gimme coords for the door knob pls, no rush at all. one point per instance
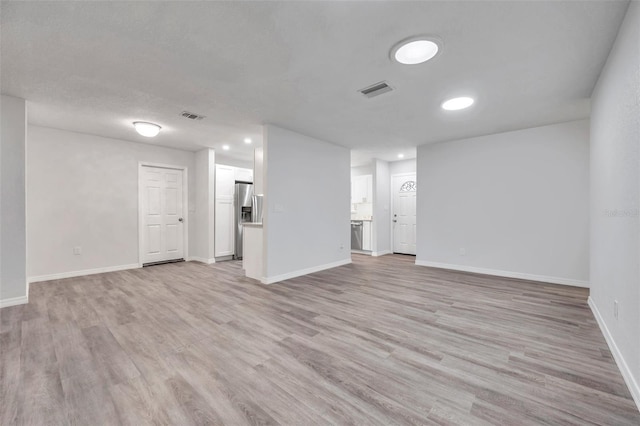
(180, 220)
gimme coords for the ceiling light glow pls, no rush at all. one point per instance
(247, 140)
(400, 155)
(225, 147)
(456, 104)
(148, 130)
(414, 52)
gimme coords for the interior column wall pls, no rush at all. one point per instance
(307, 198)
(13, 240)
(381, 207)
(205, 206)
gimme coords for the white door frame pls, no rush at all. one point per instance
(185, 205)
(393, 237)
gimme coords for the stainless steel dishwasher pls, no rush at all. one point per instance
(356, 234)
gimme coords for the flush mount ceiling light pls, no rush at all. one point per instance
(414, 51)
(400, 155)
(225, 147)
(247, 140)
(456, 104)
(148, 130)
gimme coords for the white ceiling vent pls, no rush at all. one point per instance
(376, 89)
(191, 116)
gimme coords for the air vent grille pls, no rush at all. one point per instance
(376, 89)
(191, 116)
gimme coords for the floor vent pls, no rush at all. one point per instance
(376, 89)
(191, 116)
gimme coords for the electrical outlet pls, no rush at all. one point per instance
(463, 251)
(615, 309)
(77, 250)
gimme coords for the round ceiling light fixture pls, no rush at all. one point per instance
(247, 141)
(225, 147)
(148, 130)
(400, 155)
(456, 104)
(414, 51)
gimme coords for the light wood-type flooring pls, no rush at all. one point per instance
(377, 342)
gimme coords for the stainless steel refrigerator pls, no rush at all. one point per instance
(242, 211)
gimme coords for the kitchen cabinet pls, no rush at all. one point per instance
(243, 175)
(366, 235)
(362, 189)
(225, 182)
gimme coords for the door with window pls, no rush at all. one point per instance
(162, 215)
(403, 188)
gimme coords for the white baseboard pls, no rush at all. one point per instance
(380, 253)
(507, 274)
(5, 303)
(202, 260)
(631, 382)
(300, 272)
(72, 274)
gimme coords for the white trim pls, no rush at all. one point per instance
(72, 274)
(300, 272)
(631, 382)
(201, 260)
(507, 274)
(380, 253)
(185, 205)
(14, 301)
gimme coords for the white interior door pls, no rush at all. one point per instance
(404, 214)
(162, 214)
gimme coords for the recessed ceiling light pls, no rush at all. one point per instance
(225, 147)
(400, 155)
(247, 140)
(457, 103)
(148, 130)
(414, 51)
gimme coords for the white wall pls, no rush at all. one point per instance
(231, 161)
(258, 171)
(205, 205)
(82, 190)
(401, 167)
(517, 202)
(307, 199)
(13, 280)
(382, 208)
(363, 170)
(615, 199)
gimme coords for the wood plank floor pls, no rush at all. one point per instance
(378, 342)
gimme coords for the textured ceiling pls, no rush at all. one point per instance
(95, 67)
